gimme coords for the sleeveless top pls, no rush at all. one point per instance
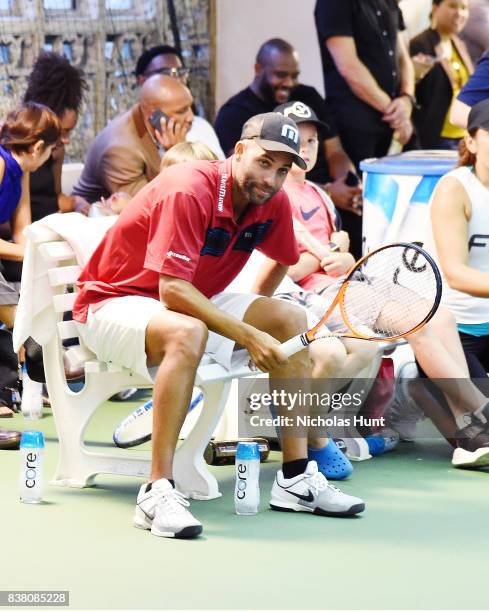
(10, 187)
(44, 200)
(468, 309)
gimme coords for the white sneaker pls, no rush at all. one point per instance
(311, 492)
(403, 414)
(163, 509)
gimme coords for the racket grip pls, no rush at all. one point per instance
(294, 345)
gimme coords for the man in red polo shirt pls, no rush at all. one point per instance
(153, 295)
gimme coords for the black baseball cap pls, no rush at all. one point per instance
(274, 132)
(301, 113)
(479, 116)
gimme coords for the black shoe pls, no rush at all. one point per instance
(473, 445)
(9, 440)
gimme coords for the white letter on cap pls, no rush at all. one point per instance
(290, 132)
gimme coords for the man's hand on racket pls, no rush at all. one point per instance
(336, 264)
(264, 350)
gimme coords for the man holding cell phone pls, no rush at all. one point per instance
(126, 154)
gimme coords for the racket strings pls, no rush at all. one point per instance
(390, 293)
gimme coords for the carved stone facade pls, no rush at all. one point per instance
(105, 38)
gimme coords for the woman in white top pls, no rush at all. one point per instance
(460, 236)
(460, 227)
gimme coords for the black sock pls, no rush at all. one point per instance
(294, 468)
(149, 486)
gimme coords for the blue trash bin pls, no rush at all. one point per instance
(396, 193)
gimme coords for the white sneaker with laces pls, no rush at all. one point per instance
(403, 414)
(164, 511)
(311, 492)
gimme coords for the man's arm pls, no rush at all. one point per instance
(182, 296)
(407, 66)
(398, 113)
(459, 113)
(270, 275)
(475, 90)
(122, 170)
(359, 78)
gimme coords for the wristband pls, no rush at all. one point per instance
(412, 99)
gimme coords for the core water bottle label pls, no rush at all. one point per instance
(241, 492)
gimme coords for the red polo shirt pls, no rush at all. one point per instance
(181, 224)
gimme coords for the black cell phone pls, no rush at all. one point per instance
(156, 117)
(333, 246)
(351, 179)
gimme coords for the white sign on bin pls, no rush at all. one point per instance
(396, 193)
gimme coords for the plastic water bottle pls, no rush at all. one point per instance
(31, 467)
(31, 405)
(247, 490)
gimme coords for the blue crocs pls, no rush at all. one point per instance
(332, 463)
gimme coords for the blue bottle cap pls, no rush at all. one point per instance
(32, 439)
(247, 450)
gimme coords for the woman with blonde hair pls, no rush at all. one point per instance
(186, 151)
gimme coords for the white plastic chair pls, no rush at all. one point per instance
(77, 465)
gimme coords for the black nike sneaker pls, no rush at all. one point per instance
(311, 492)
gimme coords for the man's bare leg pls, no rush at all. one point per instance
(176, 342)
(283, 321)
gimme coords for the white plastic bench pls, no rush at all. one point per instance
(77, 465)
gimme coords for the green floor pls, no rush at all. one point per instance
(421, 544)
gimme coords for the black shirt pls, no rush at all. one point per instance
(245, 104)
(374, 25)
(44, 199)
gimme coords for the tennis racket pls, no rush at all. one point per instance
(388, 294)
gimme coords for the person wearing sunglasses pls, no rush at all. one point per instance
(166, 60)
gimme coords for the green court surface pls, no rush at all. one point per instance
(422, 542)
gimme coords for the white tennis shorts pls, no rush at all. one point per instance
(116, 332)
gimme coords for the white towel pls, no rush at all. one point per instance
(35, 317)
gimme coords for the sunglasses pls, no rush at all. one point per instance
(173, 72)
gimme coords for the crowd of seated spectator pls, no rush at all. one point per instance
(383, 93)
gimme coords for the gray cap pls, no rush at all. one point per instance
(274, 132)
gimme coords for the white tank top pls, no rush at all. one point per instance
(466, 308)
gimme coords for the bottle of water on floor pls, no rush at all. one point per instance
(247, 489)
(31, 467)
(31, 404)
